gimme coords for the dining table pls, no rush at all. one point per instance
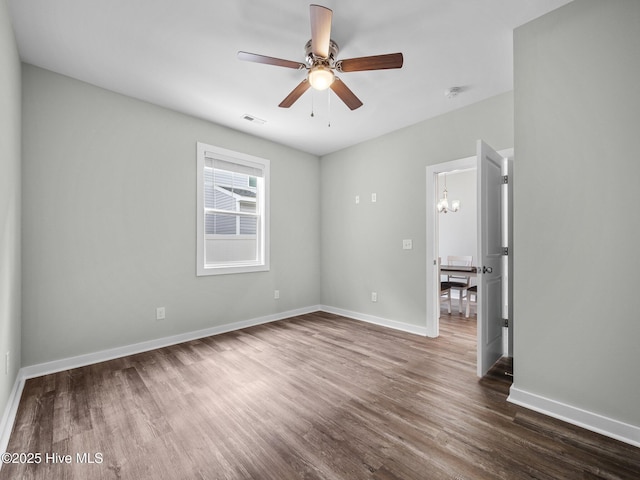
(459, 270)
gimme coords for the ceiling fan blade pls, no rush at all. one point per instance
(295, 94)
(279, 62)
(320, 30)
(375, 62)
(345, 94)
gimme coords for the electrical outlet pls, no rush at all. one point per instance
(374, 296)
(407, 244)
(160, 313)
(276, 294)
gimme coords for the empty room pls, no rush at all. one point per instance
(220, 253)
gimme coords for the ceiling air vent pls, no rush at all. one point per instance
(251, 118)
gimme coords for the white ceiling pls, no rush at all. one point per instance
(182, 55)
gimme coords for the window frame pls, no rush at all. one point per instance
(262, 263)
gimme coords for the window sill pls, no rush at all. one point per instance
(230, 269)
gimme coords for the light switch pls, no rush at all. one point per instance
(357, 199)
(374, 198)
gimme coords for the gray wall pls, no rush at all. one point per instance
(362, 244)
(577, 229)
(10, 210)
(109, 223)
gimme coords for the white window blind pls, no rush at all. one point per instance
(244, 167)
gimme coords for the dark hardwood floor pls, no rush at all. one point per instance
(313, 397)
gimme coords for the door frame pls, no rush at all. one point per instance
(432, 239)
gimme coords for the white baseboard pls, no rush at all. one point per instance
(576, 416)
(10, 411)
(383, 322)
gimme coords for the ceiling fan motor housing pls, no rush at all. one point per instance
(313, 60)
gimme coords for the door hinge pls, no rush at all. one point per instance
(505, 179)
(506, 322)
(505, 251)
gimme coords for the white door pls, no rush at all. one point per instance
(490, 256)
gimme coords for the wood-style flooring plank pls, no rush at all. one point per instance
(314, 397)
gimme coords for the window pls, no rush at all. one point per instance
(233, 212)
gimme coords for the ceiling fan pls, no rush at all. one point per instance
(321, 52)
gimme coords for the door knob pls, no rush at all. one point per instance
(487, 270)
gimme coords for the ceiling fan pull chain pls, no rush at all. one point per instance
(329, 107)
(312, 97)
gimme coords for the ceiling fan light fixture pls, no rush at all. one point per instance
(321, 77)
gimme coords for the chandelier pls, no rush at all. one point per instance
(443, 203)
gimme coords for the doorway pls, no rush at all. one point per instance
(494, 290)
(458, 229)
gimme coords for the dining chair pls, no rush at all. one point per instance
(472, 292)
(459, 283)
